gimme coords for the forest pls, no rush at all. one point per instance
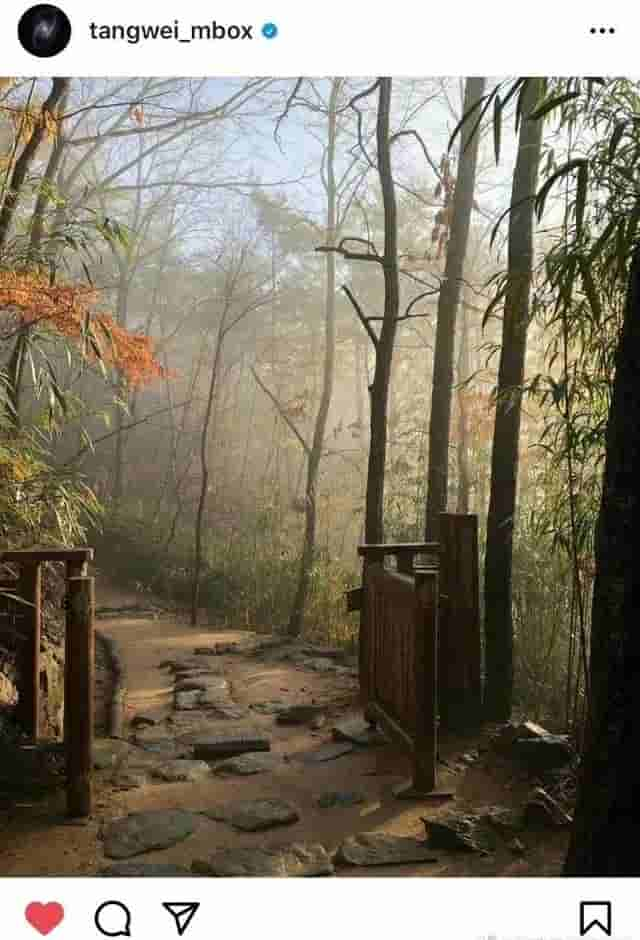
(247, 325)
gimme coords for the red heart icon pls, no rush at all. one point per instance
(44, 917)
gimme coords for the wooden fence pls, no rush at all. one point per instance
(21, 621)
(419, 649)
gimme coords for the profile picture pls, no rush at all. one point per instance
(44, 30)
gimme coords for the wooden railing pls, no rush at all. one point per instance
(21, 620)
(398, 663)
(419, 648)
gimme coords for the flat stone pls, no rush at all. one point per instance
(143, 721)
(340, 798)
(379, 848)
(230, 711)
(107, 752)
(539, 754)
(457, 833)
(543, 812)
(144, 832)
(218, 649)
(186, 701)
(175, 771)
(255, 815)
(318, 664)
(295, 860)
(358, 731)
(325, 652)
(299, 714)
(190, 685)
(229, 743)
(247, 764)
(329, 751)
(124, 780)
(142, 870)
(506, 821)
(268, 708)
(166, 747)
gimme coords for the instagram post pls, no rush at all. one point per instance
(319, 462)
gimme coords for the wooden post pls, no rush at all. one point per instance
(80, 685)
(426, 680)
(425, 740)
(459, 648)
(75, 569)
(29, 588)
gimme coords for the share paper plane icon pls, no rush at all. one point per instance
(183, 913)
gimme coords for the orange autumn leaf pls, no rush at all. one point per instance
(67, 308)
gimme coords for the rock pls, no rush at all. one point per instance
(190, 685)
(295, 860)
(247, 764)
(504, 738)
(229, 744)
(144, 832)
(506, 821)
(335, 798)
(166, 747)
(380, 848)
(230, 712)
(324, 652)
(268, 708)
(218, 649)
(255, 815)
(329, 751)
(124, 780)
(456, 833)
(358, 731)
(142, 870)
(142, 721)
(539, 754)
(469, 758)
(318, 664)
(107, 752)
(184, 701)
(299, 714)
(543, 812)
(175, 771)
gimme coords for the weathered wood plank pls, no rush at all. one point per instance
(80, 670)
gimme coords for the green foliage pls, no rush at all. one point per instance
(247, 581)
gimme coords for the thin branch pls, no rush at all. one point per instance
(364, 320)
(287, 420)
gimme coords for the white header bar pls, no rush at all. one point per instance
(404, 38)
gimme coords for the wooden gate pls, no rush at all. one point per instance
(419, 643)
(22, 620)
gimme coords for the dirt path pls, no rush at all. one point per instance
(37, 840)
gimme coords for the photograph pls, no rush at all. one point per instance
(319, 463)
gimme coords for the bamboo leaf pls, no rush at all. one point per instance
(551, 104)
(581, 195)
(497, 126)
(548, 185)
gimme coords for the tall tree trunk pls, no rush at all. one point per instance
(204, 467)
(448, 301)
(374, 506)
(23, 163)
(462, 501)
(506, 434)
(315, 453)
(44, 192)
(607, 817)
